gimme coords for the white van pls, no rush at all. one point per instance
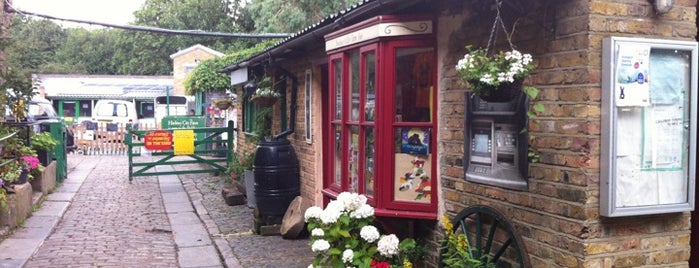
(115, 111)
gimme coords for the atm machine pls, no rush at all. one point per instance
(496, 146)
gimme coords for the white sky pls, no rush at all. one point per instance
(106, 11)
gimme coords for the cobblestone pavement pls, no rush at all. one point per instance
(110, 223)
(113, 223)
(235, 225)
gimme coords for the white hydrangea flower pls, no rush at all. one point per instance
(317, 232)
(388, 245)
(369, 233)
(347, 256)
(320, 245)
(312, 213)
(363, 212)
(331, 213)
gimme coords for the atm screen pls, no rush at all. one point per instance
(481, 143)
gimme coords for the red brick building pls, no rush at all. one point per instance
(359, 82)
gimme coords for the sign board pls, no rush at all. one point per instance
(649, 118)
(184, 141)
(183, 122)
(158, 140)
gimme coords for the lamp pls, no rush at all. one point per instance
(250, 88)
(663, 6)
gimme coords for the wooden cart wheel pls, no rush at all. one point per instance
(489, 233)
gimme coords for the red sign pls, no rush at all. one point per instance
(158, 140)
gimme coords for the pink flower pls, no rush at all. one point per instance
(32, 161)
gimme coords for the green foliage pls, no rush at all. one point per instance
(206, 75)
(43, 141)
(239, 163)
(263, 122)
(456, 252)
(281, 16)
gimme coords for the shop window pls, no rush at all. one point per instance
(382, 123)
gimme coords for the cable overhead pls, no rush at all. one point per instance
(11, 9)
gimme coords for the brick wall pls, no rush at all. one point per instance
(558, 216)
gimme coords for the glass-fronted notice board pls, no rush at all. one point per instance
(649, 110)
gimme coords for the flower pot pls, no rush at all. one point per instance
(505, 92)
(265, 101)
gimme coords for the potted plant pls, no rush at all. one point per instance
(223, 103)
(494, 77)
(265, 95)
(43, 143)
(343, 235)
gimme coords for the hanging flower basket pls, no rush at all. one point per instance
(265, 101)
(223, 104)
(504, 92)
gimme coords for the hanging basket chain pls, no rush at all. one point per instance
(494, 29)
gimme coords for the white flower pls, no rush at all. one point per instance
(317, 232)
(320, 245)
(347, 256)
(363, 212)
(331, 213)
(351, 201)
(388, 245)
(313, 213)
(369, 233)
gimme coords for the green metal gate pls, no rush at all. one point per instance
(213, 151)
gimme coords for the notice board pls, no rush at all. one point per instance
(649, 99)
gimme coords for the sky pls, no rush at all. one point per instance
(107, 11)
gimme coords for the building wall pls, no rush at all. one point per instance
(179, 64)
(558, 216)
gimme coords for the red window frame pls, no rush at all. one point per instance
(384, 126)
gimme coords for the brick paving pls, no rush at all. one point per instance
(235, 225)
(113, 223)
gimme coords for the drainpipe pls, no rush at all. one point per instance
(292, 112)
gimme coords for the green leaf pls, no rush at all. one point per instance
(538, 107)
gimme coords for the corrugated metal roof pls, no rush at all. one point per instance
(104, 86)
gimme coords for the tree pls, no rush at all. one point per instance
(148, 53)
(33, 45)
(287, 16)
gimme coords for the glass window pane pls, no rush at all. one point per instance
(354, 85)
(414, 85)
(353, 156)
(337, 64)
(369, 161)
(413, 165)
(337, 157)
(369, 85)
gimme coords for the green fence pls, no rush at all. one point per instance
(199, 145)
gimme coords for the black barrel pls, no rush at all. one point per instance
(276, 169)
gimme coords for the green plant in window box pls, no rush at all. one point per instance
(43, 142)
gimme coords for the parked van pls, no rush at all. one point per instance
(115, 111)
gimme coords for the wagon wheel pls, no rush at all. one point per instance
(490, 234)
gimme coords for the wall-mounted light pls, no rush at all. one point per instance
(250, 88)
(663, 6)
(197, 60)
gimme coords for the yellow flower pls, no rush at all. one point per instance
(407, 264)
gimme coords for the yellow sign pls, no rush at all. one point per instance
(184, 141)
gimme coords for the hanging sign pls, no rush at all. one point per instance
(158, 140)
